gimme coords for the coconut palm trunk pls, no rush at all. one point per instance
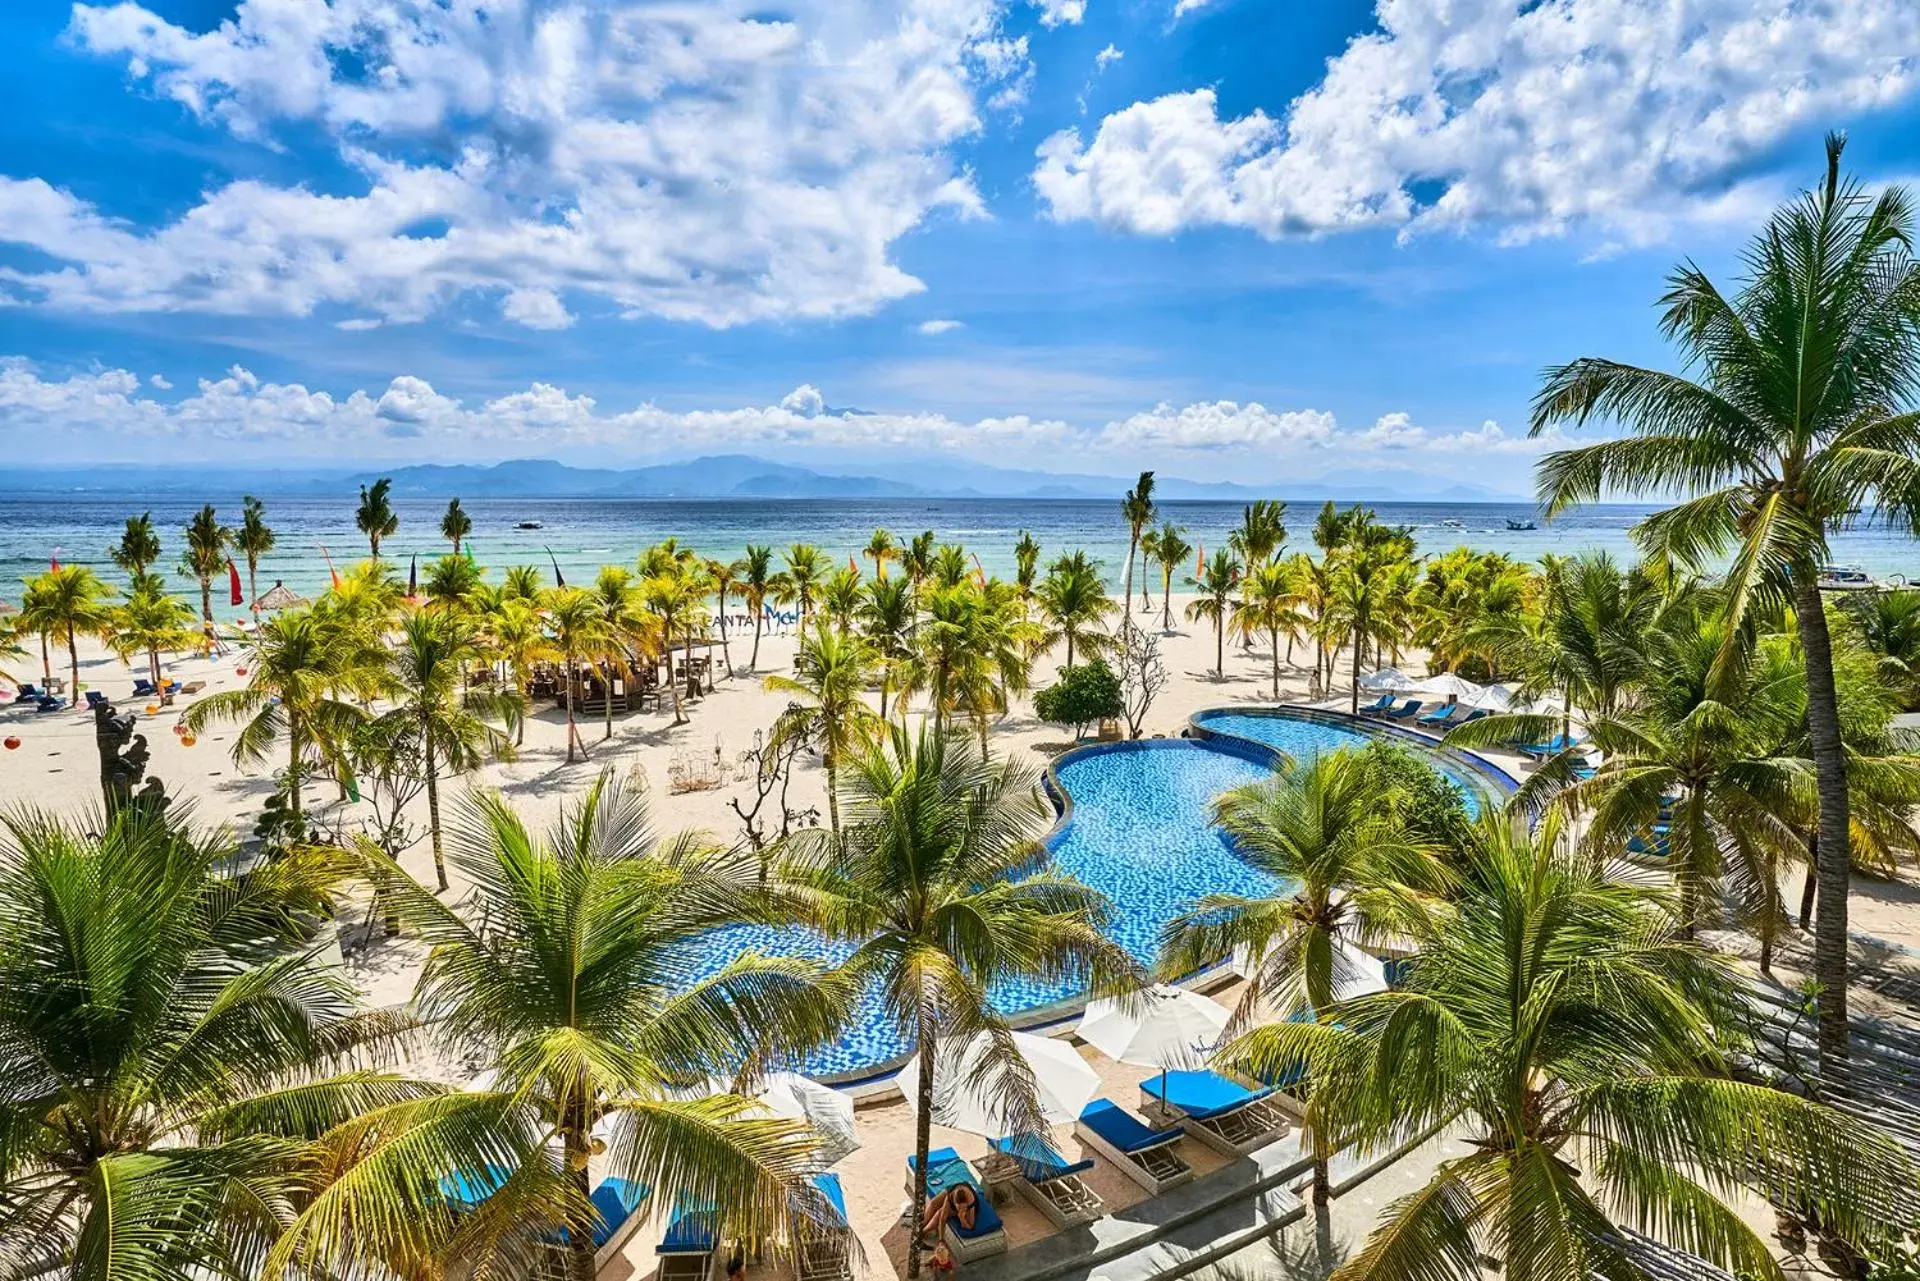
(1220, 644)
(753, 661)
(606, 718)
(922, 1140)
(1833, 862)
(1273, 649)
(1353, 697)
(433, 811)
(73, 667)
(573, 733)
(293, 770)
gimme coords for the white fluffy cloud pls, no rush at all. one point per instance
(934, 328)
(241, 415)
(1529, 117)
(707, 162)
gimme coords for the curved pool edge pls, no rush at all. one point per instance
(1056, 791)
(1500, 783)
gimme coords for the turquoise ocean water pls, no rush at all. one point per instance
(582, 534)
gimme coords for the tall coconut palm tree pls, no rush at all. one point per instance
(667, 556)
(1215, 584)
(375, 516)
(255, 538)
(950, 566)
(830, 672)
(628, 628)
(164, 1080)
(840, 596)
(1555, 1017)
(139, 546)
(1026, 564)
(887, 618)
(455, 524)
(1325, 828)
(203, 557)
(565, 973)
(757, 583)
(1137, 509)
(152, 620)
(941, 886)
(452, 582)
(1801, 415)
(523, 582)
(1266, 608)
(880, 549)
(1074, 603)
(1360, 604)
(447, 724)
(724, 575)
(916, 560)
(577, 628)
(67, 603)
(518, 636)
(1259, 535)
(800, 581)
(309, 676)
(1170, 551)
(678, 600)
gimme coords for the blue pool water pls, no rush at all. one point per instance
(1303, 738)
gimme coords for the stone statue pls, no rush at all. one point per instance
(123, 761)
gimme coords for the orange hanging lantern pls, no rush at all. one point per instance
(239, 671)
(188, 740)
(13, 742)
(179, 729)
(152, 708)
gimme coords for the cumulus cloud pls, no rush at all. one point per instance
(1107, 57)
(1055, 13)
(715, 163)
(240, 414)
(1624, 115)
(935, 327)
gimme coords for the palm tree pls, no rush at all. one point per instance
(1266, 607)
(578, 628)
(1794, 425)
(1327, 829)
(1026, 564)
(518, 636)
(950, 566)
(677, 600)
(1215, 584)
(455, 524)
(452, 582)
(956, 657)
(939, 883)
(204, 557)
(840, 596)
(163, 1082)
(1138, 510)
(831, 669)
(667, 556)
(916, 561)
(1171, 551)
(375, 516)
(308, 676)
(800, 581)
(757, 582)
(1889, 624)
(68, 602)
(139, 546)
(1074, 602)
(725, 577)
(1259, 535)
(152, 620)
(523, 582)
(626, 627)
(564, 971)
(1554, 1015)
(446, 723)
(1359, 604)
(255, 538)
(880, 549)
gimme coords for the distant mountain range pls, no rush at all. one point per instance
(722, 476)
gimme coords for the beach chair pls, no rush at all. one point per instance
(1051, 1182)
(1439, 716)
(987, 1236)
(1223, 1114)
(48, 703)
(95, 698)
(144, 688)
(823, 1253)
(1407, 709)
(1142, 1153)
(1552, 747)
(1379, 704)
(689, 1251)
(1477, 713)
(619, 1202)
(1653, 846)
(29, 694)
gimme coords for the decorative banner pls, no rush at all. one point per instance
(53, 561)
(234, 596)
(850, 565)
(413, 578)
(559, 579)
(332, 573)
(1199, 558)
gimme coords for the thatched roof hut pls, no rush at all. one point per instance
(278, 597)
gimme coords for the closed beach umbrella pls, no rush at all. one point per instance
(1165, 1027)
(1356, 972)
(797, 1098)
(1446, 685)
(964, 1100)
(1494, 698)
(1388, 680)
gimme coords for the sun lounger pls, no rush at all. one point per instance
(1409, 708)
(1552, 747)
(1379, 704)
(688, 1252)
(823, 1253)
(48, 703)
(95, 698)
(1223, 1114)
(143, 688)
(1438, 716)
(29, 694)
(618, 1202)
(987, 1235)
(1050, 1181)
(1476, 714)
(1144, 1154)
(1652, 846)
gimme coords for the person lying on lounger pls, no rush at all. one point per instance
(959, 1202)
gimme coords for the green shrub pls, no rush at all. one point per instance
(1086, 693)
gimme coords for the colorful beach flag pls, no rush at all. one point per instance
(332, 573)
(53, 561)
(234, 594)
(413, 577)
(1199, 558)
(559, 579)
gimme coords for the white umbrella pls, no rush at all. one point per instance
(1388, 680)
(1446, 685)
(1165, 1027)
(799, 1098)
(1356, 973)
(1062, 1078)
(1494, 698)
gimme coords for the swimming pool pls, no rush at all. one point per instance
(1303, 734)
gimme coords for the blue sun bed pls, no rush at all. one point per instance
(617, 1202)
(1438, 716)
(987, 1236)
(1379, 704)
(1142, 1153)
(823, 1255)
(1552, 747)
(1223, 1114)
(689, 1249)
(1409, 708)
(1050, 1181)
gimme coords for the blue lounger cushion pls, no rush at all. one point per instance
(1406, 709)
(1039, 1160)
(1202, 1094)
(616, 1200)
(829, 1185)
(1438, 716)
(1379, 704)
(1123, 1130)
(468, 1188)
(945, 1169)
(690, 1231)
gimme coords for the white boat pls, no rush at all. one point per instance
(529, 524)
(1520, 524)
(1845, 578)
(1451, 523)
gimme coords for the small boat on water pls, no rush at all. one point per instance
(1520, 524)
(1845, 578)
(1451, 523)
(529, 524)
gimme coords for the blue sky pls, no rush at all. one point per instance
(1234, 239)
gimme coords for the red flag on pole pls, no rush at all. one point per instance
(332, 573)
(1199, 558)
(53, 561)
(850, 565)
(233, 583)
